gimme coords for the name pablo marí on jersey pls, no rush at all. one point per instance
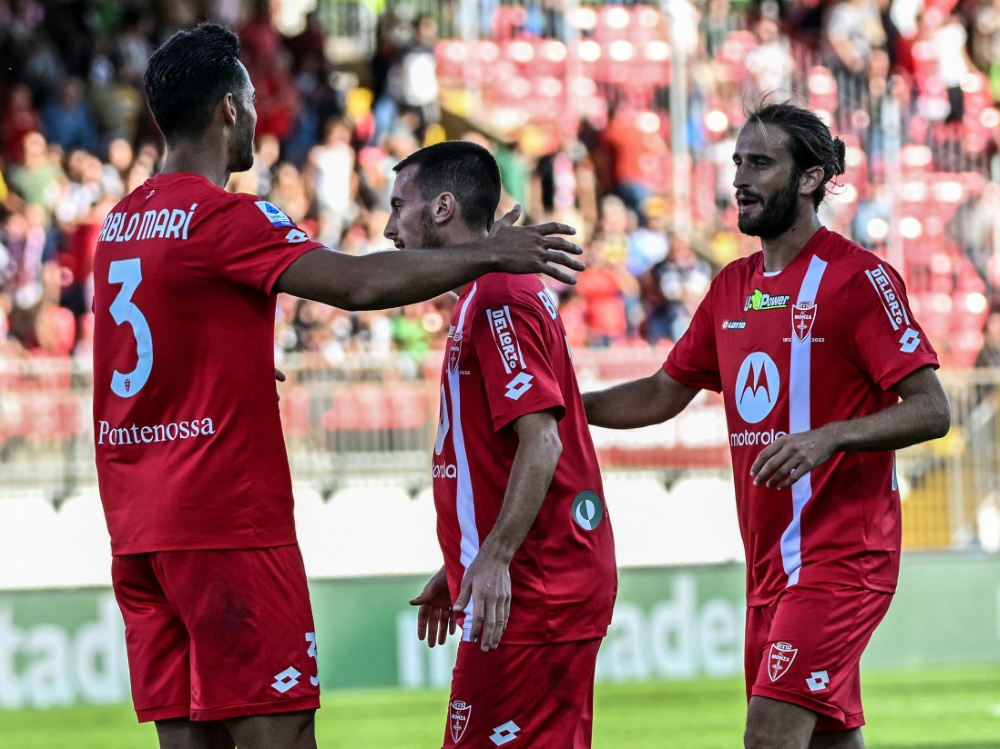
(166, 223)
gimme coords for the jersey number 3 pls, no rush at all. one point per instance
(129, 274)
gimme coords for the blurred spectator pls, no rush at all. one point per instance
(133, 48)
(412, 80)
(38, 178)
(853, 30)
(648, 245)
(564, 181)
(330, 170)
(19, 118)
(115, 171)
(67, 118)
(947, 37)
(638, 154)
(672, 291)
(986, 43)
(989, 354)
(31, 279)
(769, 65)
(605, 288)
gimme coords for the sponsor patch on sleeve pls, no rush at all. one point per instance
(274, 214)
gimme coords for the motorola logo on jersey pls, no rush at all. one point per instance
(757, 387)
(444, 471)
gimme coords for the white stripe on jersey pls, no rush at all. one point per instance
(800, 420)
(464, 499)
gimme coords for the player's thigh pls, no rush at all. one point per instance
(253, 642)
(777, 725)
(811, 653)
(182, 733)
(156, 641)
(541, 695)
(295, 730)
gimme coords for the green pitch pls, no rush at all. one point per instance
(951, 709)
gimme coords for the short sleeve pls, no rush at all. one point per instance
(888, 342)
(694, 360)
(257, 241)
(515, 361)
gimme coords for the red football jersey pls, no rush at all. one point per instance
(189, 446)
(824, 340)
(508, 356)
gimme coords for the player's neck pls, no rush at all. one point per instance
(462, 235)
(197, 159)
(781, 250)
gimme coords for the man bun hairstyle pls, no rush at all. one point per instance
(466, 170)
(809, 141)
(188, 75)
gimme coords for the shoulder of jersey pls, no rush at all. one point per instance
(268, 211)
(849, 256)
(508, 288)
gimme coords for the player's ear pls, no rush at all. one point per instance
(811, 179)
(445, 208)
(229, 111)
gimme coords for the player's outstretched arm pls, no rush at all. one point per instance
(435, 618)
(394, 279)
(921, 415)
(487, 578)
(651, 400)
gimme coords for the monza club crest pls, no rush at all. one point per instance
(458, 719)
(779, 659)
(803, 316)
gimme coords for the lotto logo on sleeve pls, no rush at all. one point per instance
(274, 214)
(505, 338)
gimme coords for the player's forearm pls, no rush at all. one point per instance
(916, 419)
(651, 400)
(385, 279)
(530, 476)
(394, 279)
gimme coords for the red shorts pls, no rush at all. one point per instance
(541, 694)
(213, 635)
(805, 648)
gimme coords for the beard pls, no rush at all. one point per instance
(429, 237)
(777, 214)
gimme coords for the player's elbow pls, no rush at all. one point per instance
(939, 418)
(550, 447)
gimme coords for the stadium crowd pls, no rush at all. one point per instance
(75, 136)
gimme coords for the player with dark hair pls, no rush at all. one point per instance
(192, 467)
(824, 374)
(529, 571)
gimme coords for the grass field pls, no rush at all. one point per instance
(947, 708)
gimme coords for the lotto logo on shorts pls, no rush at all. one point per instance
(286, 679)
(505, 734)
(458, 719)
(779, 660)
(818, 681)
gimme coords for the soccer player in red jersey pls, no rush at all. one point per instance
(191, 464)
(825, 373)
(529, 572)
